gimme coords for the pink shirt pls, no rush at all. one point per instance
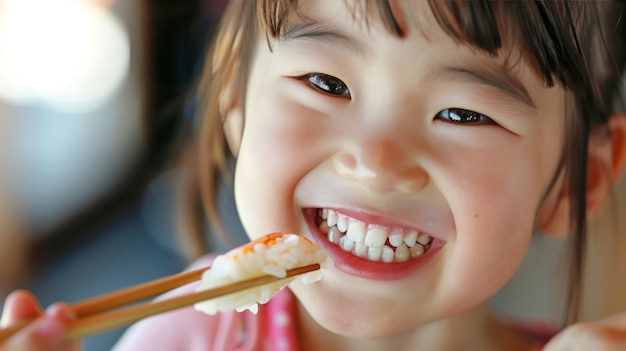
(272, 329)
(187, 329)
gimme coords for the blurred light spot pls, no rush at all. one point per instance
(71, 55)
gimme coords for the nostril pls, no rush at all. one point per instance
(345, 162)
(412, 180)
(348, 165)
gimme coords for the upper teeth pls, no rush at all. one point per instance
(372, 241)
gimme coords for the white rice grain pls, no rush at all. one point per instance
(287, 251)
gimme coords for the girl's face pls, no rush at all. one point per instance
(395, 137)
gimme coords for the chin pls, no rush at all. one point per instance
(348, 316)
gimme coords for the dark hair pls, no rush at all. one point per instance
(578, 44)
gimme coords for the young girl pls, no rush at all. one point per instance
(457, 127)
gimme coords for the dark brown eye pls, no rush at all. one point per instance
(461, 116)
(328, 84)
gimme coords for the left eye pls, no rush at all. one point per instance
(462, 116)
(328, 84)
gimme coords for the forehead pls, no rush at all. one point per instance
(397, 18)
(414, 37)
(546, 35)
(402, 20)
(474, 27)
(473, 21)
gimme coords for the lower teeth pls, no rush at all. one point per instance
(387, 254)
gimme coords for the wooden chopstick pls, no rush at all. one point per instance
(104, 321)
(109, 301)
(119, 298)
(99, 323)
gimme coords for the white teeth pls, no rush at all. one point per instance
(373, 253)
(395, 237)
(333, 235)
(411, 238)
(375, 237)
(423, 239)
(416, 250)
(388, 254)
(342, 223)
(402, 253)
(332, 218)
(360, 249)
(356, 231)
(372, 242)
(346, 244)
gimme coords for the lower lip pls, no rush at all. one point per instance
(360, 267)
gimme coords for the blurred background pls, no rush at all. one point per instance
(96, 101)
(95, 98)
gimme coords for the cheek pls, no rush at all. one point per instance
(493, 250)
(494, 202)
(279, 147)
(491, 245)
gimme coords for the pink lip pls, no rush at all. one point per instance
(357, 266)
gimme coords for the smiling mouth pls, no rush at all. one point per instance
(373, 242)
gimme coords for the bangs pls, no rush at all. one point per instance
(549, 34)
(274, 14)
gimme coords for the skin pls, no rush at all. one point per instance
(45, 333)
(384, 153)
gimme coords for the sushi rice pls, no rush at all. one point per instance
(272, 254)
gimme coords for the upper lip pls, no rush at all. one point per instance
(427, 211)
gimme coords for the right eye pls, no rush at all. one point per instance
(328, 84)
(462, 116)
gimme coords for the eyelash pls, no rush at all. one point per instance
(334, 86)
(328, 84)
(462, 116)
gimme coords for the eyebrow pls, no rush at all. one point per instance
(322, 32)
(497, 79)
(332, 34)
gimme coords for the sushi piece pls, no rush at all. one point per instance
(272, 254)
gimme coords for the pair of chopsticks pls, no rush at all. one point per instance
(104, 312)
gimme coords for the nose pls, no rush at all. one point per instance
(381, 167)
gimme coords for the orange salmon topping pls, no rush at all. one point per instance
(267, 240)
